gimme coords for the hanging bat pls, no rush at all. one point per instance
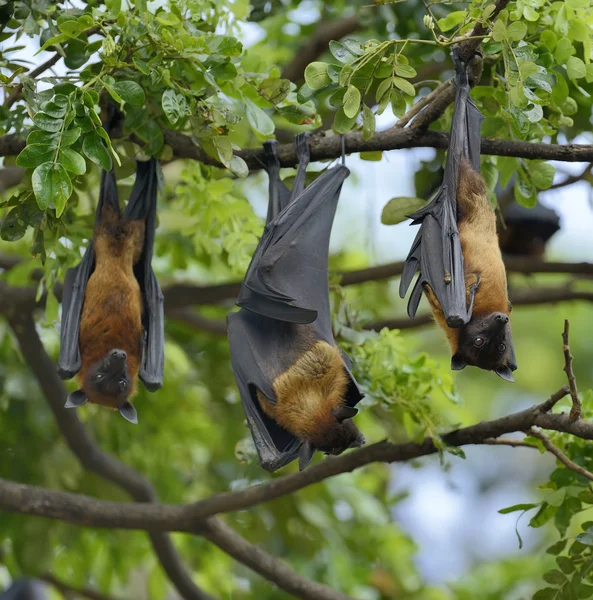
(457, 252)
(527, 230)
(113, 325)
(295, 383)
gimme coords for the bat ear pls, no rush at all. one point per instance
(306, 455)
(344, 412)
(458, 362)
(76, 399)
(128, 412)
(505, 373)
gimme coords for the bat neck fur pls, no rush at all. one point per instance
(117, 237)
(308, 392)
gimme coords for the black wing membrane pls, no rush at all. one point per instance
(75, 282)
(436, 251)
(142, 206)
(285, 298)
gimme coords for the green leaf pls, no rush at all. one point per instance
(546, 594)
(384, 86)
(71, 27)
(516, 507)
(224, 148)
(51, 183)
(375, 156)
(130, 92)
(114, 7)
(368, 122)
(586, 538)
(398, 209)
(141, 66)
(316, 76)
(54, 110)
(548, 38)
(405, 86)
(576, 68)
(340, 52)
(527, 69)
(274, 90)
(499, 31)
(34, 154)
(171, 107)
(563, 51)
(14, 225)
(47, 123)
(258, 119)
(451, 20)
(343, 123)
(516, 31)
(542, 174)
(57, 39)
(554, 577)
(70, 136)
(95, 150)
(565, 564)
(351, 101)
(518, 97)
(353, 46)
(578, 30)
(238, 167)
(544, 514)
(557, 547)
(398, 104)
(530, 14)
(72, 161)
(405, 71)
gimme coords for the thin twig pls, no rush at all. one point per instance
(64, 587)
(575, 412)
(567, 462)
(16, 93)
(573, 178)
(424, 101)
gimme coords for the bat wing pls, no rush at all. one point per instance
(287, 277)
(75, 282)
(278, 193)
(436, 251)
(142, 206)
(252, 338)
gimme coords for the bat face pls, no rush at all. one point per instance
(339, 437)
(486, 342)
(110, 377)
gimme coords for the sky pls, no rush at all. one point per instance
(447, 513)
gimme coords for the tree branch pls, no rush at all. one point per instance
(82, 510)
(576, 410)
(318, 43)
(42, 68)
(567, 462)
(65, 588)
(573, 178)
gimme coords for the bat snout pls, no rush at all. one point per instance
(501, 318)
(454, 321)
(116, 359)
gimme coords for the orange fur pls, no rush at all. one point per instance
(481, 253)
(308, 392)
(112, 309)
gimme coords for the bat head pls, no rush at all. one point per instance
(110, 378)
(340, 434)
(486, 342)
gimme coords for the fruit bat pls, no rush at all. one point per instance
(457, 253)
(527, 230)
(295, 383)
(112, 307)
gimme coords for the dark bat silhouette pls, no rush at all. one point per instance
(457, 251)
(112, 321)
(296, 384)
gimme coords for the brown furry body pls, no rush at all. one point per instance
(476, 222)
(308, 393)
(112, 310)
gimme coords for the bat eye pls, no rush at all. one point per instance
(479, 342)
(123, 385)
(502, 347)
(98, 377)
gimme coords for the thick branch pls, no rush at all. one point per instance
(82, 510)
(318, 43)
(329, 147)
